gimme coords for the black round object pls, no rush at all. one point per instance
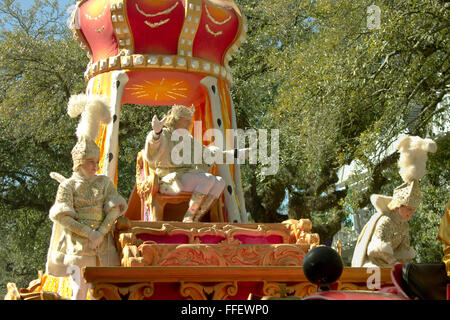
(322, 266)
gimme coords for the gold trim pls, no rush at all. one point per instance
(76, 33)
(157, 24)
(149, 61)
(100, 15)
(158, 13)
(214, 20)
(99, 30)
(215, 34)
(240, 34)
(193, 13)
(121, 26)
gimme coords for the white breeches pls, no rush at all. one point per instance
(204, 183)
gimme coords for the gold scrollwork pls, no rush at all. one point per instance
(302, 289)
(137, 291)
(219, 291)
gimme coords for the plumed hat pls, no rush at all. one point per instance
(93, 109)
(412, 163)
(408, 194)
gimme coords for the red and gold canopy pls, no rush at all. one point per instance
(180, 41)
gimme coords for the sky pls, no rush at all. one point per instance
(27, 3)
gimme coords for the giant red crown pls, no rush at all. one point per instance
(181, 35)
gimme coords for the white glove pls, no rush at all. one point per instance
(158, 125)
(95, 239)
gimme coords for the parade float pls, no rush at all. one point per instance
(177, 52)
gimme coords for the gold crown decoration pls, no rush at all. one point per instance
(408, 194)
(93, 109)
(195, 36)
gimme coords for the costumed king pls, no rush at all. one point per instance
(186, 176)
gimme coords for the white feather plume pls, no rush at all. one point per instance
(76, 105)
(93, 109)
(413, 156)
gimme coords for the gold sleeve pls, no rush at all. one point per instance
(109, 220)
(63, 211)
(74, 226)
(379, 249)
(115, 205)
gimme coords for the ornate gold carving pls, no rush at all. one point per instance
(300, 231)
(216, 282)
(214, 255)
(228, 231)
(128, 238)
(279, 289)
(131, 257)
(219, 291)
(351, 286)
(137, 291)
(33, 292)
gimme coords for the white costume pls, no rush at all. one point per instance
(85, 207)
(385, 240)
(185, 175)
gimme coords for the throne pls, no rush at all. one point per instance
(156, 206)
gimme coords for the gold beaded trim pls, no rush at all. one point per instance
(169, 62)
(121, 26)
(190, 26)
(77, 35)
(240, 36)
(183, 61)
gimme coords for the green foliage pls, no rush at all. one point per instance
(337, 91)
(24, 235)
